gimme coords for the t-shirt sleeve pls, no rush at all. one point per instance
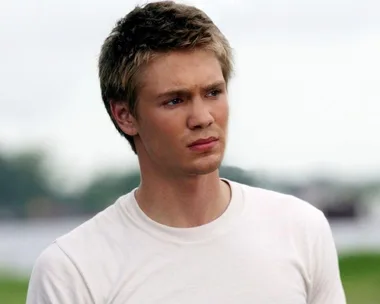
(55, 279)
(326, 284)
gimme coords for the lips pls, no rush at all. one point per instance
(203, 141)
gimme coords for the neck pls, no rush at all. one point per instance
(183, 202)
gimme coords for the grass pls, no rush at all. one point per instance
(360, 275)
(13, 290)
(361, 278)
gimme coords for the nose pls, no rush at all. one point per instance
(200, 116)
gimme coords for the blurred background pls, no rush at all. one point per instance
(305, 108)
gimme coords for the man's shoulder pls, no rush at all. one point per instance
(90, 251)
(279, 204)
(53, 259)
(95, 234)
(285, 215)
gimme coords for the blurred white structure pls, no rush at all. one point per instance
(22, 242)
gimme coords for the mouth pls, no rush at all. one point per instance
(203, 141)
(203, 144)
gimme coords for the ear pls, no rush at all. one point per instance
(123, 117)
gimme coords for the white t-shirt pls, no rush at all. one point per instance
(266, 248)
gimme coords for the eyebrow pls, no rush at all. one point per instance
(209, 87)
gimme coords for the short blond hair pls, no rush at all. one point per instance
(154, 28)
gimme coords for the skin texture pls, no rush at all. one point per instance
(182, 98)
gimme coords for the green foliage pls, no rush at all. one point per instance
(22, 178)
(25, 188)
(236, 174)
(105, 189)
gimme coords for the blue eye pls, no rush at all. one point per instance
(214, 93)
(174, 101)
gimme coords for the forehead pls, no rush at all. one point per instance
(185, 69)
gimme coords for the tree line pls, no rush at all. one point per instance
(26, 189)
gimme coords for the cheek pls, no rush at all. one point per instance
(222, 113)
(163, 130)
(169, 126)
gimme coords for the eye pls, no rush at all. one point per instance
(214, 93)
(174, 102)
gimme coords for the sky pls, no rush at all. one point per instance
(305, 95)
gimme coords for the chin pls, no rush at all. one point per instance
(206, 165)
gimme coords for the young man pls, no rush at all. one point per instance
(184, 235)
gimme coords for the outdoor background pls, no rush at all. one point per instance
(305, 108)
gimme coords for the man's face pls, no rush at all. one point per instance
(183, 99)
